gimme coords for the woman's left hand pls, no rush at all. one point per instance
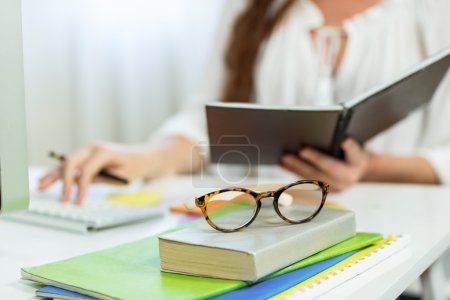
(340, 174)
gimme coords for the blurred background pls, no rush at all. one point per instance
(110, 70)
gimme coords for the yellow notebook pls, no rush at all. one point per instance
(345, 270)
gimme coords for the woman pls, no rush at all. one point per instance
(312, 52)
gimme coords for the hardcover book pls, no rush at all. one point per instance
(267, 245)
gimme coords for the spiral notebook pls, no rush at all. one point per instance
(346, 269)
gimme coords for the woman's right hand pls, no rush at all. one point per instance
(175, 154)
(81, 168)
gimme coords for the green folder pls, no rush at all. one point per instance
(132, 271)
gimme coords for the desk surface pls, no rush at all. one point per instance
(421, 211)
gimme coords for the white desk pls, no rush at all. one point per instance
(421, 211)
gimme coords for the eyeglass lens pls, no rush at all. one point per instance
(307, 198)
(231, 209)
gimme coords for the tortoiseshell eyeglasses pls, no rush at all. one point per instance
(233, 209)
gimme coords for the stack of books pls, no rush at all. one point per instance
(269, 259)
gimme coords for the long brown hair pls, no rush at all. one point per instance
(250, 30)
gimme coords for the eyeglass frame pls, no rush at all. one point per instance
(202, 202)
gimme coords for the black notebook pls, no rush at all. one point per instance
(250, 133)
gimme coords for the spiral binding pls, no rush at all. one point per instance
(345, 270)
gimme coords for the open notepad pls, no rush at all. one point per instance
(262, 133)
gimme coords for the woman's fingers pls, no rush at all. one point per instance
(340, 174)
(49, 178)
(353, 151)
(101, 157)
(307, 171)
(294, 164)
(83, 166)
(332, 167)
(71, 165)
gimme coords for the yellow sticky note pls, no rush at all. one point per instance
(139, 198)
(330, 204)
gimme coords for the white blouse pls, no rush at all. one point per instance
(292, 69)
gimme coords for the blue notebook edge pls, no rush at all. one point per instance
(54, 292)
(276, 285)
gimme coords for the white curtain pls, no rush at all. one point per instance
(110, 70)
